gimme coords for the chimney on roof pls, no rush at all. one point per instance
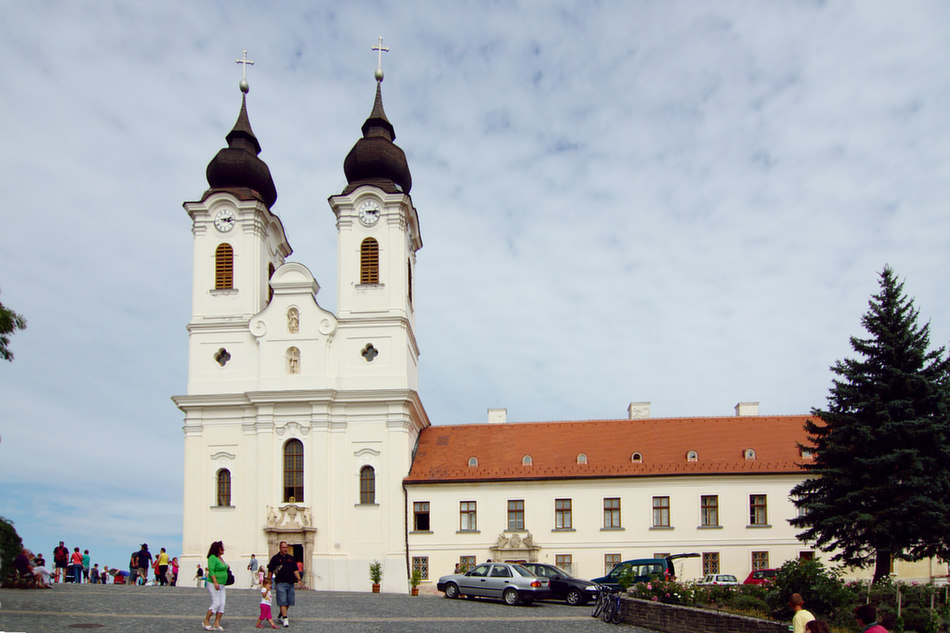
(747, 408)
(497, 416)
(637, 410)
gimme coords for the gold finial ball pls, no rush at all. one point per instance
(244, 87)
(379, 74)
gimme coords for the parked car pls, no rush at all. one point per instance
(563, 586)
(508, 581)
(761, 577)
(718, 579)
(643, 569)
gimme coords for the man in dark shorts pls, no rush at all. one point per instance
(61, 560)
(284, 567)
(145, 561)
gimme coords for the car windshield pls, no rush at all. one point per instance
(549, 572)
(524, 572)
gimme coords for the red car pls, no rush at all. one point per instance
(761, 577)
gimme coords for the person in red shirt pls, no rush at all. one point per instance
(75, 566)
(866, 615)
(61, 560)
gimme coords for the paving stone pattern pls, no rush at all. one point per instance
(107, 608)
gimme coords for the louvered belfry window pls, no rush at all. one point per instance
(293, 471)
(224, 267)
(369, 261)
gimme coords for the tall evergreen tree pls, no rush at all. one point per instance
(879, 484)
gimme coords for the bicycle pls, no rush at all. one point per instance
(600, 601)
(615, 607)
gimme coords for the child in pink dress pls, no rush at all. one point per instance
(265, 606)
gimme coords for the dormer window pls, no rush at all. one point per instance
(636, 458)
(581, 458)
(526, 460)
(692, 456)
(749, 453)
(472, 462)
(807, 453)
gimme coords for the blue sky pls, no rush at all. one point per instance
(684, 203)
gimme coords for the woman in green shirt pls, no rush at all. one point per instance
(217, 577)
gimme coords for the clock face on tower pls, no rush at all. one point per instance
(224, 220)
(369, 212)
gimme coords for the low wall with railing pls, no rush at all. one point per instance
(673, 618)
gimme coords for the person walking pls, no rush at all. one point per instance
(252, 567)
(866, 615)
(217, 577)
(265, 606)
(60, 560)
(200, 575)
(802, 615)
(144, 562)
(75, 566)
(162, 561)
(85, 565)
(133, 567)
(284, 567)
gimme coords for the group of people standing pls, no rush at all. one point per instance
(282, 567)
(70, 567)
(803, 621)
(164, 567)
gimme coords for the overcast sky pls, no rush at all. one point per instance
(687, 203)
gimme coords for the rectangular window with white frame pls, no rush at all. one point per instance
(709, 511)
(467, 518)
(420, 516)
(516, 514)
(758, 510)
(661, 512)
(562, 514)
(611, 513)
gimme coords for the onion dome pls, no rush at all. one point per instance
(237, 168)
(375, 159)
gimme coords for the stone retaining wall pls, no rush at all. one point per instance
(670, 618)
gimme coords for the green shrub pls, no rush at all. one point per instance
(749, 605)
(10, 546)
(822, 589)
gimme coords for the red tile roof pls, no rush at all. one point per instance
(443, 452)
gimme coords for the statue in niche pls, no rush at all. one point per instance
(293, 321)
(293, 360)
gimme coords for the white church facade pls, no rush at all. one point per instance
(307, 426)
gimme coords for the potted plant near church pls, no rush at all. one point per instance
(414, 580)
(375, 574)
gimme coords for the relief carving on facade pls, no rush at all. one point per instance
(515, 547)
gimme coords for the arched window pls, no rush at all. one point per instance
(636, 458)
(224, 487)
(692, 456)
(369, 261)
(223, 267)
(367, 485)
(526, 460)
(749, 453)
(293, 471)
(581, 458)
(472, 462)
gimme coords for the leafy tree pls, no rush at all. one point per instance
(10, 321)
(880, 479)
(10, 546)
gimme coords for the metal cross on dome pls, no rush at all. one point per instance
(380, 49)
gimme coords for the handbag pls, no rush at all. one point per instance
(230, 580)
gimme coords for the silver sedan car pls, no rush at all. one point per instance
(508, 581)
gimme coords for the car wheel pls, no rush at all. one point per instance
(452, 590)
(574, 598)
(511, 597)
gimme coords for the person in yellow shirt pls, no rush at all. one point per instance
(802, 615)
(162, 560)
